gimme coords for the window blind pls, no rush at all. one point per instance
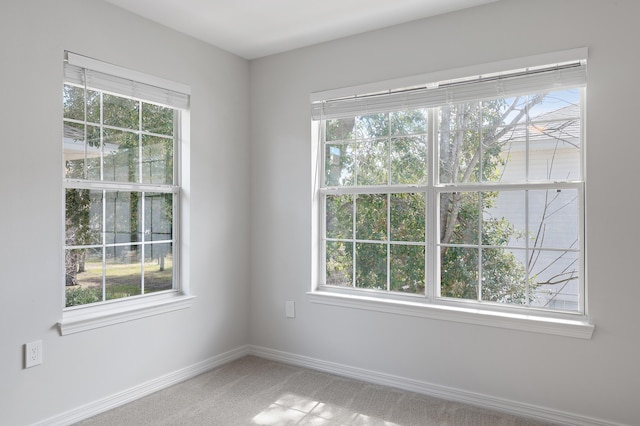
(81, 70)
(505, 84)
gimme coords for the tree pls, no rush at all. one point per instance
(472, 136)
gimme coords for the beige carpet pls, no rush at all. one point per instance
(255, 391)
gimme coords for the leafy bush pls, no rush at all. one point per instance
(82, 296)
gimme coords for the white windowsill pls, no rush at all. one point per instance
(83, 318)
(577, 328)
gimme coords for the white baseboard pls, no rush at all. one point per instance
(144, 389)
(451, 394)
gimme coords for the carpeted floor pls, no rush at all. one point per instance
(255, 391)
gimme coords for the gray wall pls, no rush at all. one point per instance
(81, 368)
(251, 169)
(596, 378)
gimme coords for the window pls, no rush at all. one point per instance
(121, 168)
(466, 193)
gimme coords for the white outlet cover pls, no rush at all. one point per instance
(290, 309)
(33, 354)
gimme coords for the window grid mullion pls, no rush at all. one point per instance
(527, 251)
(480, 198)
(480, 246)
(388, 242)
(432, 263)
(104, 245)
(143, 199)
(102, 142)
(85, 126)
(356, 162)
(104, 197)
(388, 118)
(582, 206)
(353, 242)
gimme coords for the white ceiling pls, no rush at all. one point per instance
(256, 28)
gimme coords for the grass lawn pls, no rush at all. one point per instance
(122, 280)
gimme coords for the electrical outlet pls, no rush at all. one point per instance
(33, 354)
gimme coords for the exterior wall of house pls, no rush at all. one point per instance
(555, 154)
(596, 378)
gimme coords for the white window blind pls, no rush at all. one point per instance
(94, 74)
(513, 83)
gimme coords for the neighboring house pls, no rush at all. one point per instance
(555, 151)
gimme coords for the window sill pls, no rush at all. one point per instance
(576, 328)
(83, 318)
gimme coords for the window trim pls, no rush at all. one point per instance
(80, 318)
(578, 327)
(531, 319)
(105, 313)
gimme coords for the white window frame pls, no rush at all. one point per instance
(429, 305)
(157, 90)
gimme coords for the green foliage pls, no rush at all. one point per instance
(82, 296)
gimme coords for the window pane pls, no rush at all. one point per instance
(408, 217)
(407, 268)
(371, 266)
(93, 152)
(412, 122)
(157, 119)
(74, 104)
(157, 160)
(120, 112)
(339, 264)
(510, 164)
(123, 272)
(372, 126)
(123, 216)
(340, 129)
(553, 218)
(547, 103)
(73, 98)
(339, 165)
(459, 135)
(76, 151)
(503, 218)
(459, 218)
(555, 156)
(556, 277)
(459, 272)
(83, 217)
(371, 217)
(339, 216)
(83, 276)
(373, 162)
(555, 137)
(121, 156)
(409, 160)
(502, 140)
(504, 276)
(158, 216)
(158, 267)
